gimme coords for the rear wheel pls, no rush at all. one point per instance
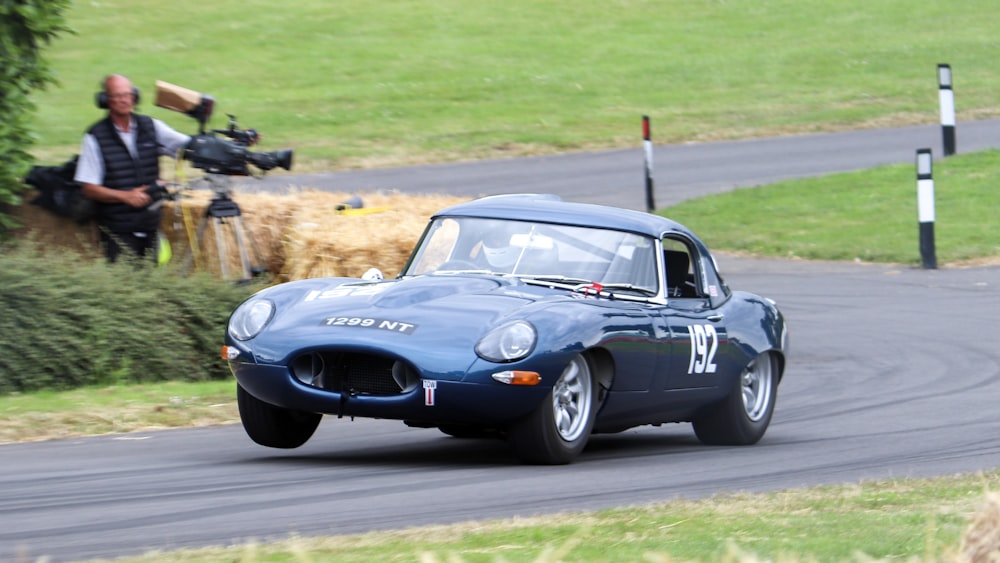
(743, 416)
(273, 426)
(558, 430)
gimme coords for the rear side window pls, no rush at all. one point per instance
(680, 267)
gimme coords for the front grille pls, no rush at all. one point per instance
(355, 373)
(363, 373)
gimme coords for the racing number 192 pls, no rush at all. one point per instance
(704, 343)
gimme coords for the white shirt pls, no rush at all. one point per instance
(90, 166)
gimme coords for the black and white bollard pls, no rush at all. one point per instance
(947, 97)
(647, 145)
(925, 208)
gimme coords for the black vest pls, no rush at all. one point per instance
(123, 172)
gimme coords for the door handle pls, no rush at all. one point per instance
(716, 317)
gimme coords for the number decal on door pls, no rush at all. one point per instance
(704, 343)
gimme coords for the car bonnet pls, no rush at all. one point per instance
(439, 311)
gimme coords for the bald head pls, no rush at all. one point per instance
(121, 96)
(117, 82)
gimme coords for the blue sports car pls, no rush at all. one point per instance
(522, 317)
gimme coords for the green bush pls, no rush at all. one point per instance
(25, 27)
(68, 321)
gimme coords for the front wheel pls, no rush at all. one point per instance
(557, 431)
(273, 426)
(744, 415)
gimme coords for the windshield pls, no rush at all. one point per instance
(539, 250)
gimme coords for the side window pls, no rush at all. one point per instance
(679, 267)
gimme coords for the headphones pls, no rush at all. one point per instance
(101, 98)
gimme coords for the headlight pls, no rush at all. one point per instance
(250, 318)
(512, 341)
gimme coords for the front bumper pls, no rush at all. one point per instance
(432, 401)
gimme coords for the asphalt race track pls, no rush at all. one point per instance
(680, 171)
(894, 372)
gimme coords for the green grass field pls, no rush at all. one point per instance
(353, 84)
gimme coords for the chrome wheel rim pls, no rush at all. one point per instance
(757, 382)
(572, 397)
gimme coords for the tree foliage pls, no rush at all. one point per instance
(26, 27)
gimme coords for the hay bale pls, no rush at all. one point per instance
(319, 241)
(50, 230)
(981, 542)
(297, 235)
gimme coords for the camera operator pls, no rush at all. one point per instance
(119, 170)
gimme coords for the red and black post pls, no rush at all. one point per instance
(648, 147)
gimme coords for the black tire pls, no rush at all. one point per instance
(558, 430)
(742, 417)
(273, 426)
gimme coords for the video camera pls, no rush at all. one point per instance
(208, 151)
(217, 155)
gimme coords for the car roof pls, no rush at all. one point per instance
(552, 209)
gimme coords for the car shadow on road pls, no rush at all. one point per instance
(424, 448)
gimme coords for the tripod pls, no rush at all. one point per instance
(225, 216)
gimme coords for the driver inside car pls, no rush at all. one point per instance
(520, 250)
(498, 251)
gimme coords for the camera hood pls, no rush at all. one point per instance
(183, 100)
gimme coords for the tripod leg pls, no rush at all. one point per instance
(241, 245)
(194, 257)
(257, 267)
(220, 244)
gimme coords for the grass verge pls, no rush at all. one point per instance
(869, 215)
(87, 411)
(917, 520)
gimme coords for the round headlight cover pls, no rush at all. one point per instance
(508, 343)
(250, 318)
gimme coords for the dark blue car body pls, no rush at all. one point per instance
(537, 357)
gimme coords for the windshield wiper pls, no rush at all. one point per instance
(629, 287)
(583, 284)
(586, 286)
(552, 278)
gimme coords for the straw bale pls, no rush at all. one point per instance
(319, 241)
(50, 230)
(295, 235)
(981, 542)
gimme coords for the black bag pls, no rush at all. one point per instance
(59, 193)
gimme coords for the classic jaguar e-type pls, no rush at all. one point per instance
(523, 317)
